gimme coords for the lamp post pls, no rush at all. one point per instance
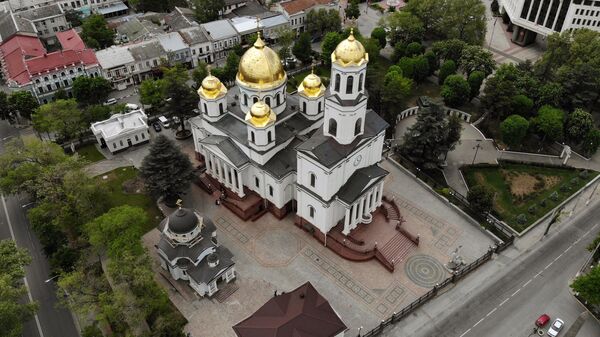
(476, 148)
(493, 30)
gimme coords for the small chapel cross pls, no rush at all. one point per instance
(179, 203)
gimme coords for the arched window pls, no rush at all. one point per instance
(313, 179)
(360, 82)
(278, 98)
(269, 137)
(252, 138)
(304, 107)
(332, 127)
(245, 99)
(270, 190)
(311, 211)
(338, 80)
(319, 107)
(205, 109)
(268, 101)
(349, 84)
(254, 99)
(357, 126)
(220, 107)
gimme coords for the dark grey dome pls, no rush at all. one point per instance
(182, 221)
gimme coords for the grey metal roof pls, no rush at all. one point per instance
(220, 29)
(329, 152)
(135, 29)
(359, 181)
(226, 145)
(273, 21)
(172, 41)
(182, 221)
(180, 18)
(147, 50)
(284, 162)
(184, 251)
(203, 273)
(112, 8)
(194, 35)
(11, 24)
(41, 12)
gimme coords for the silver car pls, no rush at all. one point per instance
(556, 327)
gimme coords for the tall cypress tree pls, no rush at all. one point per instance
(167, 172)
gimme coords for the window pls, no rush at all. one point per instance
(357, 126)
(221, 108)
(254, 99)
(270, 190)
(136, 138)
(252, 138)
(278, 98)
(349, 84)
(256, 182)
(313, 179)
(319, 108)
(114, 145)
(332, 127)
(311, 212)
(304, 107)
(245, 99)
(205, 109)
(268, 101)
(338, 79)
(121, 142)
(143, 136)
(269, 137)
(360, 82)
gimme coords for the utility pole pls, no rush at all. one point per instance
(553, 220)
(476, 148)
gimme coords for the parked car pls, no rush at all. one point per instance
(131, 106)
(156, 127)
(556, 327)
(164, 122)
(110, 101)
(542, 320)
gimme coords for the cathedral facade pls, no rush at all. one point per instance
(314, 153)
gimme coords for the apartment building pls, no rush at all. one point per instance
(48, 20)
(200, 45)
(223, 36)
(296, 10)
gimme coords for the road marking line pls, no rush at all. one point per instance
(466, 332)
(515, 292)
(526, 283)
(506, 300)
(12, 234)
(481, 320)
(548, 266)
(491, 312)
(566, 250)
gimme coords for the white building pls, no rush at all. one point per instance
(272, 25)
(48, 20)
(189, 251)
(315, 152)
(147, 57)
(177, 50)
(118, 65)
(199, 44)
(223, 36)
(544, 17)
(121, 131)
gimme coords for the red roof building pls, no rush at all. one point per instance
(70, 40)
(300, 313)
(294, 6)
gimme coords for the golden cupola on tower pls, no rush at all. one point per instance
(211, 87)
(311, 86)
(260, 115)
(350, 52)
(260, 67)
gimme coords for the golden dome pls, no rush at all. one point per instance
(211, 87)
(260, 114)
(350, 52)
(311, 86)
(260, 67)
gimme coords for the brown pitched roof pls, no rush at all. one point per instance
(300, 313)
(295, 6)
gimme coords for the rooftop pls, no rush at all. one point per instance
(220, 29)
(10, 24)
(135, 29)
(273, 21)
(120, 123)
(172, 41)
(194, 35)
(60, 59)
(180, 18)
(14, 51)
(147, 50)
(43, 12)
(112, 8)
(302, 312)
(245, 24)
(114, 56)
(295, 6)
(70, 40)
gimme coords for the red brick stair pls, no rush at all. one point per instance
(397, 249)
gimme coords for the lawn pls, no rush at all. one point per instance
(90, 153)
(524, 193)
(115, 181)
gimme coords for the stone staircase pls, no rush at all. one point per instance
(397, 249)
(224, 293)
(391, 211)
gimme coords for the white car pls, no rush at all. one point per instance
(131, 106)
(110, 101)
(556, 327)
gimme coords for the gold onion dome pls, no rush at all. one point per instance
(311, 86)
(211, 87)
(260, 114)
(260, 67)
(350, 52)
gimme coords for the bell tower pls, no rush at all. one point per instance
(213, 98)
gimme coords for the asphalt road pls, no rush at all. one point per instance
(537, 283)
(51, 320)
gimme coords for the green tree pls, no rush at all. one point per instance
(372, 48)
(431, 61)
(429, 12)
(61, 116)
(95, 32)
(380, 35)
(579, 124)
(514, 129)
(285, 38)
(448, 68)
(181, 99)
(500, 89)
(302, 48)
(449, 49)
(399, 51)
(426, 140)
(199, 73)
(481, 198)
(152, 92)
(91, 331)
(475, 80)
(60, 94)
(464, 20)
(4, 108)
(404, 27)
(73, 17)
(91, 90)
(413, 49)
(522, 105)
(13, 312)
(321, 21)
(208, 10)
(549, 123)
(167, 172)
(22, 103)
(330, 42)
(454, 131)
(588, 286)
(407, 64)
(591, 142)
(394, 92)
(352, 11)
(475, 58)
(421, 68)
(115, 229)
(455, 91)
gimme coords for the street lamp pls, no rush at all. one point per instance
(493, 30)
(52, 278)
(476, 148)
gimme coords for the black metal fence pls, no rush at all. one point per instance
(396, 317)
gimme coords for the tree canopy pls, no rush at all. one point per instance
(455, 91)
(95, 32)
(404, 27)
(91, 90)
(481, 198)
(475, 58)
(208, 10)
(579, 124)
(322, 21)
(181, 99)
(588, 286)
(302, 48)
(62, 117)
(22, 103)
(549, 123)
(514, 129)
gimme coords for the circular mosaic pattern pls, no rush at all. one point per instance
(424, 270)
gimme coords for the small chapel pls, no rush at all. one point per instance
(314, 153)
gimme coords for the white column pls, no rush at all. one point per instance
(362, 207)
(371, 201)
(347, 222)
(212, 164)
(226, 173)
(220, 170)
(380, 193)
(241, 185)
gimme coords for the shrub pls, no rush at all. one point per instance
(574, 181)
(521, 219)
(455, 91)
(414, 48)
(584, 174)
(532, 209)
(554, 196)
(448, 68)
(543, 203)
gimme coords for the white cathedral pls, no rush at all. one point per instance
(315, 152)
